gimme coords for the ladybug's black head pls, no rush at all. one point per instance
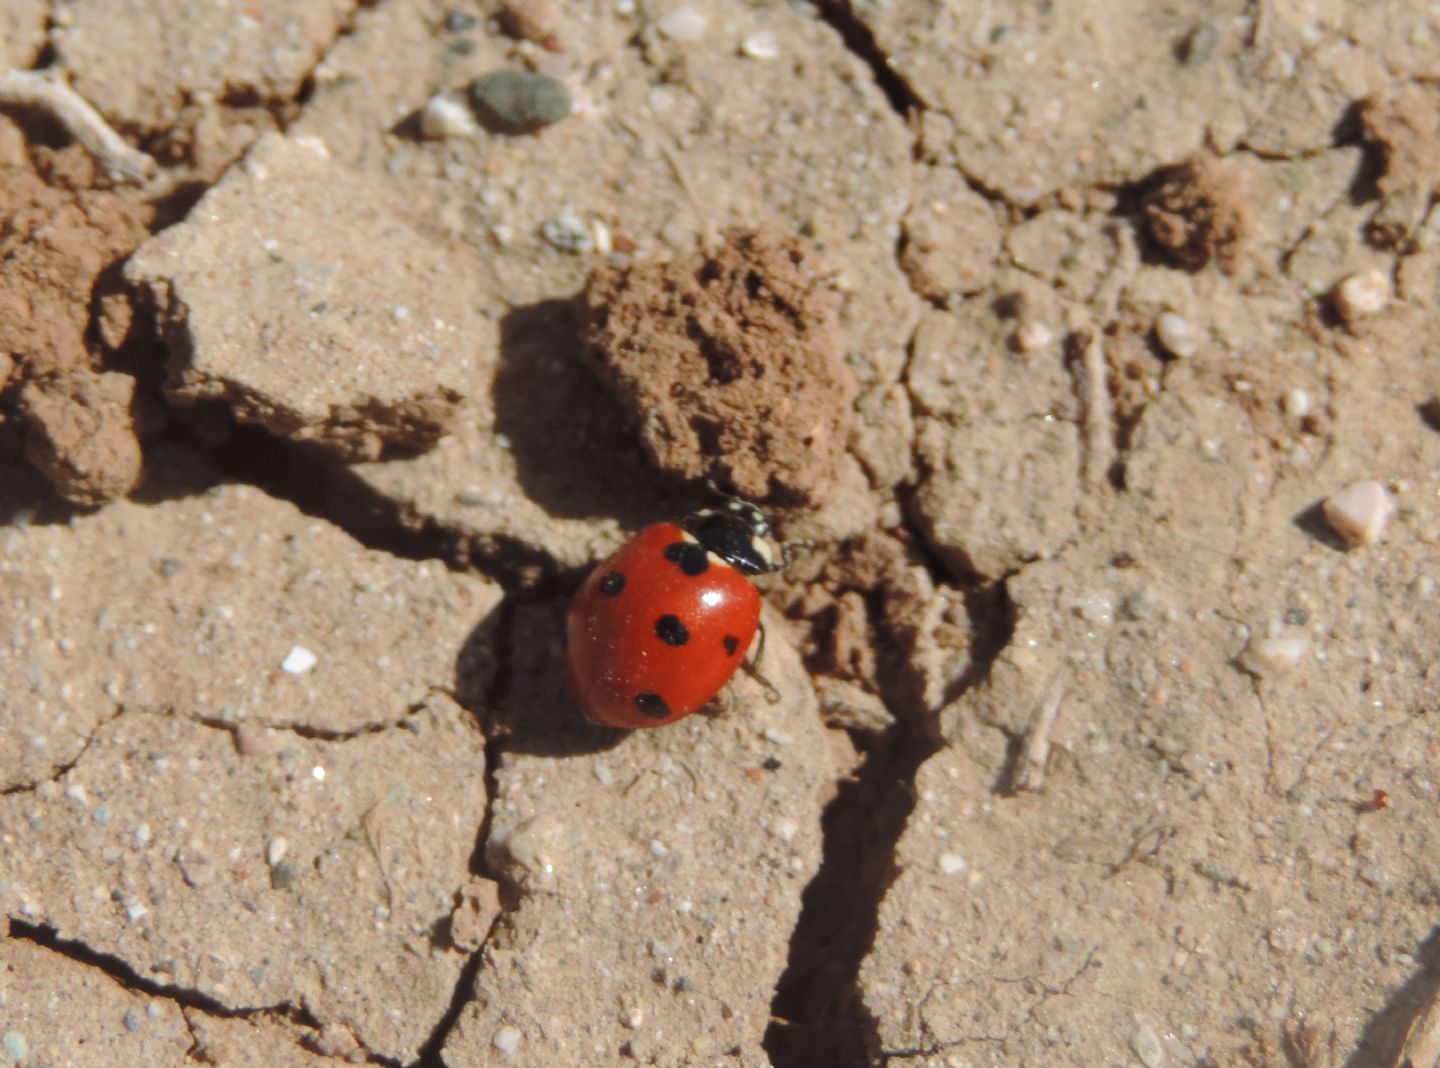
(739, 534)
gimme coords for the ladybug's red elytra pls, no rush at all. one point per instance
(659, 627)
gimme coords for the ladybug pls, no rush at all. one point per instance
(659, 627)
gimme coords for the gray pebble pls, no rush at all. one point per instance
(132, 1021)
(568, 234)
(283, 876)
(519, 101)
(1198, 45)
(15, 1045)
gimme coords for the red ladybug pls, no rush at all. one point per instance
(660, 626)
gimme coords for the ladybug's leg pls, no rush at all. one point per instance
(772, 692)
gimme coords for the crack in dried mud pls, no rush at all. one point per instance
(431, 1051)
(118, 969)
(859, 40)
(63, 769)
(818, 1012)
(886, 1057)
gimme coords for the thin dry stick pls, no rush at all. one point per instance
(1098, 442)
(51, 94)
(1030, 775)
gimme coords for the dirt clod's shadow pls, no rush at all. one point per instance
(1384, 1035)
(575, 453)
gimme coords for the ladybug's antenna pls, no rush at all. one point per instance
(714, 487)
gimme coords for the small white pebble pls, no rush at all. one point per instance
(682, 24)
(761, 45)
(76, 792)
(275, 851)
(1359, 513)
(318, 772)
(507, 1039)
(785, 829)
(299, 660)
(604, 774)
(16, 1046)
(446, 116)
(659, 848)
(604, 244)
(777, 737)
(1033, 335)
(135, 912)
(142, 835)
(401, 313)
(950, 863)
(1095, 608)
(1374, 875)
(1177, 335)
(1274, 654)
(1362, 294)
(1296, 404)
(633, 1018)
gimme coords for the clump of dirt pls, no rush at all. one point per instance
(55, 245)
(1404, 127)
(1197, 213)
(731, 363)
(81, 434)
(330, 340)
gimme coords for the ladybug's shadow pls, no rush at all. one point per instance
(510, 674)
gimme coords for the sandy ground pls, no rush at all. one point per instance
(1087, 353)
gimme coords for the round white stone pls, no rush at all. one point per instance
(1177, 335)
(1362, 294)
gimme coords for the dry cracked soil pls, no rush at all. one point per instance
(1085, 353)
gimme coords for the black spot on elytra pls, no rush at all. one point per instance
(689, 555)
(731, 644)
(652, 705)
(611, 583)
(671, 630)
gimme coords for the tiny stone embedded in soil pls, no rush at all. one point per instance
(1359, 513)
(1269, 655)
(530, 20)
(568, 233)
(519, 101)
(1177, 335)
(682, 24)
(445, 116)
(1362, 295)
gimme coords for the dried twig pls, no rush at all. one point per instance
(1030, 775)
(1088, 367)
(52, 95)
